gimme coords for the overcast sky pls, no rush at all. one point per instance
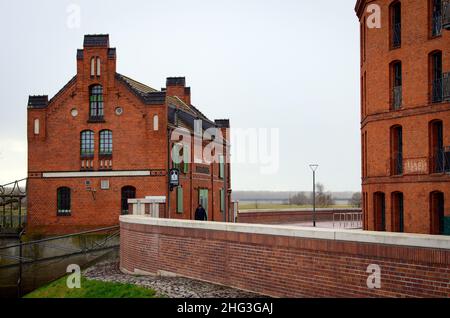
(291, 65)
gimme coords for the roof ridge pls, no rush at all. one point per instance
(63, 88)
(198, 111)
(140, 83)
(195, 109)
(149, 96)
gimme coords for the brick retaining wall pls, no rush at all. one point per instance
(286, 261)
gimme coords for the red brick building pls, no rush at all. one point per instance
(405, 115)
(105, 138)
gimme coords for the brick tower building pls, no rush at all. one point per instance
(105, 138)
(405, 115)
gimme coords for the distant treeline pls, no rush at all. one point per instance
(281, 195)
(323, 198)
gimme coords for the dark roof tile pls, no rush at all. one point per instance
(80, 54)
(175, 81)
(96, 40)
(37, 101)
(147, 94)
(112, 53)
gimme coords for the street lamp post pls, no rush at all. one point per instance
(314, 168)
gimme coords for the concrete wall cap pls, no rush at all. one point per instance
(387, 238)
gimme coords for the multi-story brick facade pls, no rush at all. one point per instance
(105, 138)
(405, 115)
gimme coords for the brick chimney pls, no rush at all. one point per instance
(176, 86)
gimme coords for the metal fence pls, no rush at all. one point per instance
(348, 220)
(13, 206)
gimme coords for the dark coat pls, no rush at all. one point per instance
(200, 214)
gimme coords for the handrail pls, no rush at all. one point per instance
(116, 227)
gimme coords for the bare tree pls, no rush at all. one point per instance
(323, 199)
(356, 199)
(299, 199)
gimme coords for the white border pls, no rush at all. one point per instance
(87, 174)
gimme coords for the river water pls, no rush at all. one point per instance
(37, 274)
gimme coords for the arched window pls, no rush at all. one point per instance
(379, 209)
(437, 153)
(437, 83)
(95, 66)
(396, 24)
(437, 213)
(63, 201)
(128, 192)
(155, 122)
(396, 150)
(106, 143)
(36, 126)
(397, 212)
(87, 144)
(436, 17)
(96, 103)
(396, 85)
(99, 66)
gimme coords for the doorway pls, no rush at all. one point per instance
(437, 213)
(127, 192)
(203, 199)
(397, 212)
(379, 205)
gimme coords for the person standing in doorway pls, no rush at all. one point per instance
(200, 214)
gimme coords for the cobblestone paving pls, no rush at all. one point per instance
(172, 287)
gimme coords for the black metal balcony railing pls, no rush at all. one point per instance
(440, 162)
(397, 164)
(96, 118)
(396, 35)
(397, 97)
(446, 15)
(446, 86)
(437, 90)
(436, 24)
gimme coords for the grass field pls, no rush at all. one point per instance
(91, 289)
(262, 206)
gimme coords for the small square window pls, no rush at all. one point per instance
(104, 184)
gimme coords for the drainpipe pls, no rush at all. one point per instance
(225, 175)
(168, 169)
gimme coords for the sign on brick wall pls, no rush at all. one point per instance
(415, 166)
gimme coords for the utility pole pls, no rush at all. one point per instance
(314, 168)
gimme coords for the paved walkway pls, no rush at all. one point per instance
(328, 225)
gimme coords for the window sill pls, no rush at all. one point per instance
(433, 37)
(63, 214)
(440, 173)
(95, 121)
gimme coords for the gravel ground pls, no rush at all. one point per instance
(172, 287)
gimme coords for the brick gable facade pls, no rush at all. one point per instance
(138, 118)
